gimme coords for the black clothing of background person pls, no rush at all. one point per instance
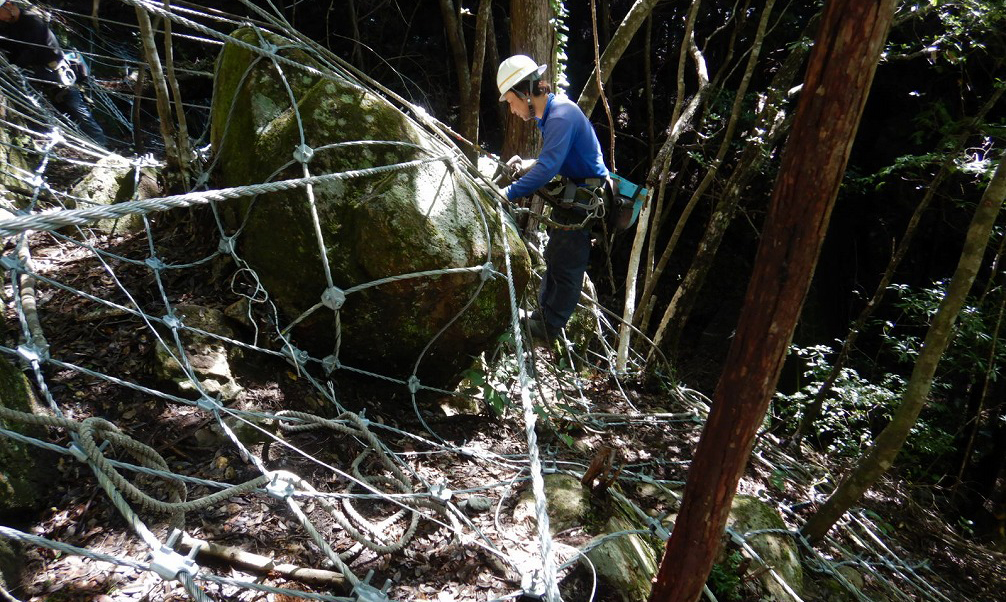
(29, 43)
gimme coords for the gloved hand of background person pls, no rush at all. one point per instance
(66, 75)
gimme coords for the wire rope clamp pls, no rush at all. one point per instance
(303, 153)
(226, 245)
(172, 321)
(441, 493)
(414, 384)
(208, 403)
(488, 271)
(282, 485)
(168, 563)
(297, 356)
(155, 264)
(33, 353)
(533, 587)
(330, 364)
(658, 529)
(333, 298)
(365, 592)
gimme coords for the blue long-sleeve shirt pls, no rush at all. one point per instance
(569, 148)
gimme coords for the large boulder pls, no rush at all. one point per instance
(11, 141)
(426, 217)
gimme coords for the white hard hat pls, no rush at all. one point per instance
(515, 69)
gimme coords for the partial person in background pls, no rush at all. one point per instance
(29, 43)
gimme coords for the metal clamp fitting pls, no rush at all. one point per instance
(330, 363)
(282, 485)
(333, 298)
(441, 493)
(303, 153)
(533, 586)
(169, 564)
(365, 592)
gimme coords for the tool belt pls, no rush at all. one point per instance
(576, 207)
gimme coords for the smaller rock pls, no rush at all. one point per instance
(568, 503)
(113, 180)
(477, 504)
(208, 357)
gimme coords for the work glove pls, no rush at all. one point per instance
(520, 166)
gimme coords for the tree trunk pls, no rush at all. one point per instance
(533, 35)
(887, 445)
(469, 75)
(639, 12)
(841, 69)
(160, 89)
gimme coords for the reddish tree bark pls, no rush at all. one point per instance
(839, 74)
(530, 34)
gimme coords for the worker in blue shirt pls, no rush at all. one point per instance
(570, 149)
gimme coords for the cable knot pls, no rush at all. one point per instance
(33, 353)
(36, 181)
(333, 298)
(56, 136)
(12, 264)
(414, 385)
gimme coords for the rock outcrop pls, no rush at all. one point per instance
(269, 116)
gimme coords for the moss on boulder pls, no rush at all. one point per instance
(423, 218)
(749, 514)
(21, 473)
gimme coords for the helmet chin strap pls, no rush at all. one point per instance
(527, 99)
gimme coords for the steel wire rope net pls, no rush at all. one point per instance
(380, 491)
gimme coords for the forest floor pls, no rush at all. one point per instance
(434, 565)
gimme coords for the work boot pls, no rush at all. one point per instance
(540, 332)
